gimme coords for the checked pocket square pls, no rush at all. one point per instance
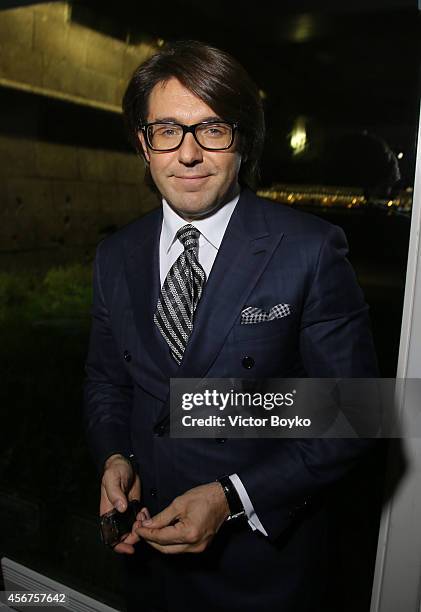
(251, 314)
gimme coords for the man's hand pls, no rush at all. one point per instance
(120, 484)
(189, 523)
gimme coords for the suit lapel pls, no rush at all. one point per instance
(142, 273)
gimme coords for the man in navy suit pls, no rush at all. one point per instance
(236, 524)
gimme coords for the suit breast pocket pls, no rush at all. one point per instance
(260, 331)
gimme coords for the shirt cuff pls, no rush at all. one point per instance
(252, 517)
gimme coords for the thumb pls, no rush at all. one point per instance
(115, 494)
(135, 491)
(162, 519)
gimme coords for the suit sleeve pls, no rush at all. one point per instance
(335, 342)
(108, 389)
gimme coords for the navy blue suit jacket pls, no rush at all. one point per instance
(270, 254)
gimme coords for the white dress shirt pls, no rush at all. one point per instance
(212, 230)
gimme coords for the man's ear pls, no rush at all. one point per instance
(142, 141)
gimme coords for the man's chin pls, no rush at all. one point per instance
(193, 206)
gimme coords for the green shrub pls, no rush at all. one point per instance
(66, 291)
(63, 292)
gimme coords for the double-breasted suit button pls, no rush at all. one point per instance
(248, 362)
(153, 492)
(220, 440)
(127, 356)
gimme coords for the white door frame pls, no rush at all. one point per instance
(397, 578)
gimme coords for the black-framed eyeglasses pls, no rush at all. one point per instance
(210, 135)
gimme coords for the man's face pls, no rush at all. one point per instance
(194, 182)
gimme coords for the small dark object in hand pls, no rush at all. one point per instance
(114, 525)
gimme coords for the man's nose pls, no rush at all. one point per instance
(190, 151)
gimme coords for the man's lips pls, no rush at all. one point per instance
(192, 178)
(191, 182)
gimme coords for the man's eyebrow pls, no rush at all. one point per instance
(174, 120)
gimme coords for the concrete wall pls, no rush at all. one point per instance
(57, 200)
(59, 196)
(41, 47)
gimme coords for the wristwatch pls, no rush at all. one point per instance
(234, 502)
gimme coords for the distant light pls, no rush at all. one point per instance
(298, 136)
(400, 155)
(390, 203)
(160, 42)
(304, 28)
(262, 94)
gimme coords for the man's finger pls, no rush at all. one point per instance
(127, 544)
(162, 519)
(174, 549)
(173, 534)
(114, 492)
(118, 481)
(123, 548)
(131, 538)
(143, 515)
(134, 492)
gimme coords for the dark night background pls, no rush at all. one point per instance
(349, 72)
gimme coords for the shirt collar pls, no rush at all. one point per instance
(212, 228)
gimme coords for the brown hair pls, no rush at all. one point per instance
(218, 80)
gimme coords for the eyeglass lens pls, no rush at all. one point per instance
(210, 135)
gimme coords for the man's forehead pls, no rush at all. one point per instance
(170, 100)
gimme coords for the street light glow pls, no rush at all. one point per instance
(298, 136)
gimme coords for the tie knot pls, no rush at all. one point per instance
(188, 235)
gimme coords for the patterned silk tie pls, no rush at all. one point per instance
(180, 294)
